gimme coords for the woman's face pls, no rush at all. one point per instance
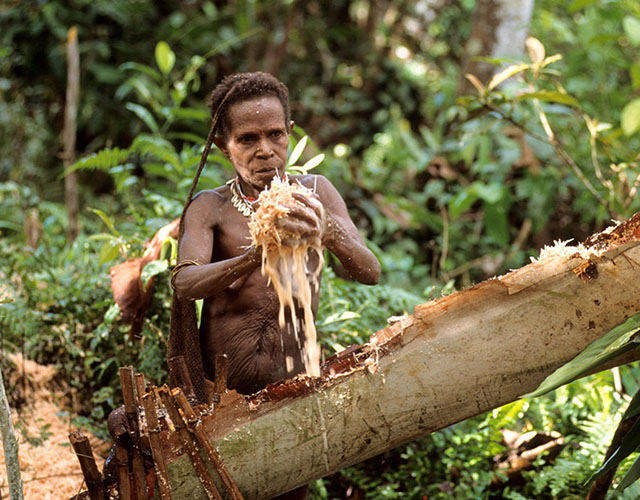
(257, 142)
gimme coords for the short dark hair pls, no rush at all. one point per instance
(242, 87)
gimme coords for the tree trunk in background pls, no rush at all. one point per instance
(69, 132)
(454, 358)
(10, 446)
(500, 28)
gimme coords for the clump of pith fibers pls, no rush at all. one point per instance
(285, 261)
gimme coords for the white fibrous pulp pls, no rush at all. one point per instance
(286, 263)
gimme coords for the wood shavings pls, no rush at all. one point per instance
(50, 470)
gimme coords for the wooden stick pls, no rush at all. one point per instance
(178, 369)
(92, 476)
(131, 411)
(153, 429)
(196, 460)
(124, 482)
(194, 425)
(140, 387)
(220, 381)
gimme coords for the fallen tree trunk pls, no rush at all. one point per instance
(454, 358)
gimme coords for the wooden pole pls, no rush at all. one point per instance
(153, 430)
(92, 476)
(10, 445)
(131, 411)
(124, 481)
(69, 132)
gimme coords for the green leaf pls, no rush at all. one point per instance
(297, 151)
(497, 223)
(634, 406)
(632, 475)
(107, 221)
(630, 117)
(141, 68)
(550, 96)
(617, 341)
(109, 251)
(144, 115)
(634, 73)
(462, 202)
(508, 72)
(631, 27)
(579, 4)
(491, 193)
(152, 269)
(165, 57)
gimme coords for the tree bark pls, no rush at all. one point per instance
(454, 358)
(10, 446)
(69, 132)
(500, 28)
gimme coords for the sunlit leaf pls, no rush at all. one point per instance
(475, 82)
(109, 251)
(630, 117)
(297, 151)
(617, 341)
(535, 49)
(313, 163)
(631, 27)
(551, 59)
(107, 221)
(508, 72)
(152, 269)
(144, 115)
(165, 57)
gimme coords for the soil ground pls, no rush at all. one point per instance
(49, 468)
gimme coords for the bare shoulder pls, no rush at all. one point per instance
(207, 205)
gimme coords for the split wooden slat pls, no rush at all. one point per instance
(131, 411)
(194, 425)
(124, 482)
(196, 460)
(153, 430)
(92, 476)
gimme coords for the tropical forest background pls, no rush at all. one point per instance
(452, 179)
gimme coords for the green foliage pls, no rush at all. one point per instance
(444, 190)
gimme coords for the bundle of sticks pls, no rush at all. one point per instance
(138, 455)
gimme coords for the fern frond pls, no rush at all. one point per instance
(157, 147)
(102, 160)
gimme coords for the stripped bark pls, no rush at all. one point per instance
(454, 358)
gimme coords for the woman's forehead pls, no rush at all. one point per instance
(259, 111)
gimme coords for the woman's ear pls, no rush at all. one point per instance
(291, 125)
(221, 144)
